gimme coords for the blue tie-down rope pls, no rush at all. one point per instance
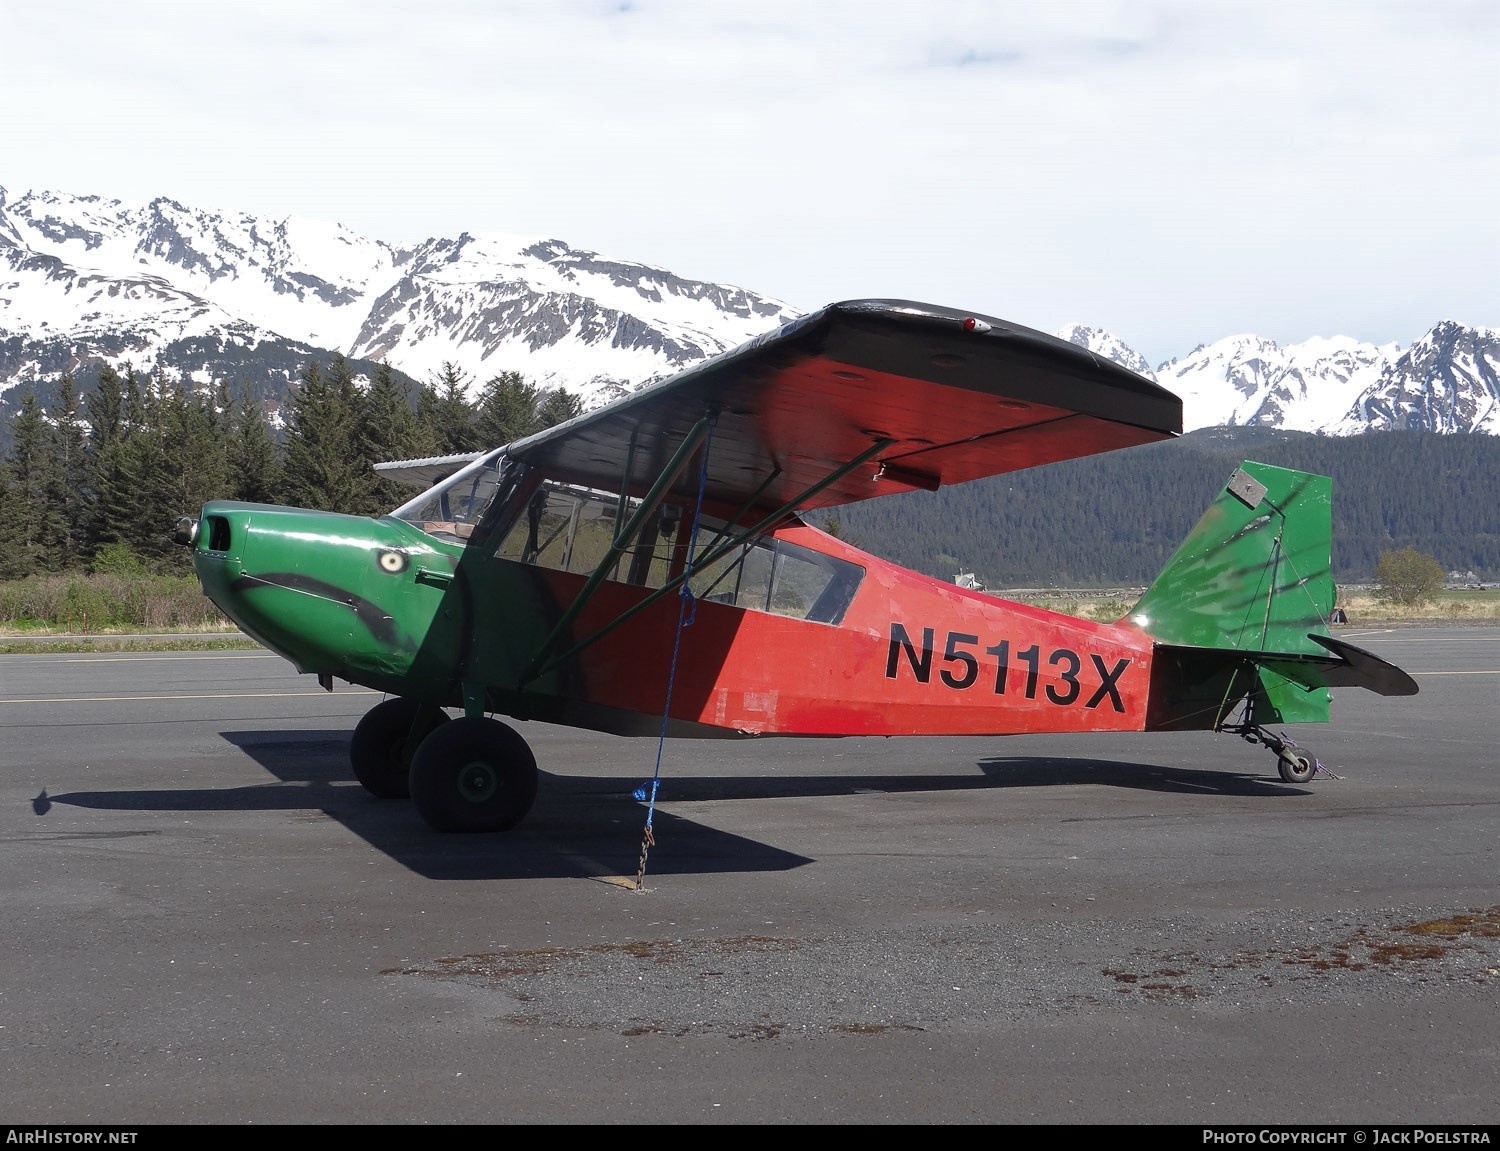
(687, 612)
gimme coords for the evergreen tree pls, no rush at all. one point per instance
(558, 407)
(26, 484)
(323, 464)
(11, 555)
(195, 440)
(254, 461)
(106, 408)
(507, 410)
(172, 465)
(108, 412)
(69, 488)
(445, 414)
(119, 459)
(389, 431)
(148, 510)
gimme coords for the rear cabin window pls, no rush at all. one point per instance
(569, 528)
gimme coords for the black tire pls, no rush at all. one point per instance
(1296, 766)
(473, 775)
(380, 751)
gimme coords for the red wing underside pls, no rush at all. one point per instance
(940, 435)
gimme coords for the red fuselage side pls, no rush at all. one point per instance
(911, 656)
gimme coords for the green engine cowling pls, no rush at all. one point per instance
(373, 601)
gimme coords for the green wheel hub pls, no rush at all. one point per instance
(478, 781)
(473, 774)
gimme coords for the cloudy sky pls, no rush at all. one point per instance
(1174, 172)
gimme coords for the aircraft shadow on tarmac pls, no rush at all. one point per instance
(592, 826)
(1038, 770)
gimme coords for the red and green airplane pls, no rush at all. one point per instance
(644, 568)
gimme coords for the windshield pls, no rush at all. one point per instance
(453, 509)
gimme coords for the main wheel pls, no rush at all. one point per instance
(1296, 766)
(380, 750)
(473, 774)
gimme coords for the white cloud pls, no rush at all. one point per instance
(1170, 170)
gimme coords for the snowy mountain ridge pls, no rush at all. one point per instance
(85, 279)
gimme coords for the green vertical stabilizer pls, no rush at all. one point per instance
(1254, 574)
(1253, 578)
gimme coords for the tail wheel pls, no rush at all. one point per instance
(1295, 765)
(380, 750)
(473, 775)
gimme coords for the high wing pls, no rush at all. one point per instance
(859, 399)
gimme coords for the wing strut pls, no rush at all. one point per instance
(721, 547)
(623, 503)
(622, 541)
(684, 618)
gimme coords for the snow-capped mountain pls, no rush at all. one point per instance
(1448, 381)
(86, 280)
(1303, 387)
(1445, 382)
(124, 281)
(1111, 347)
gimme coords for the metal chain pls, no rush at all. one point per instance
(648, 841)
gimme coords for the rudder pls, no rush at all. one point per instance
(1233, 609)
(1255, 573)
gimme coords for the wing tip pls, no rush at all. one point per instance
(426, 470)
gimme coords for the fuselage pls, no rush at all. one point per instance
(798, 633)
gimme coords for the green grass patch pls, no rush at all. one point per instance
(20, 645)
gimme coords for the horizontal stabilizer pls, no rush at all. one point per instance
(1360, 668)
(1197, 688)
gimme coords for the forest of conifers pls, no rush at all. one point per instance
(103, 472)
(1115, 519)
(100, 475)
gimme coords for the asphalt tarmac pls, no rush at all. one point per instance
(207, 921)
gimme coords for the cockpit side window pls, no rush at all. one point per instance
(562, 527)
(571, 528)
(782, 578)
